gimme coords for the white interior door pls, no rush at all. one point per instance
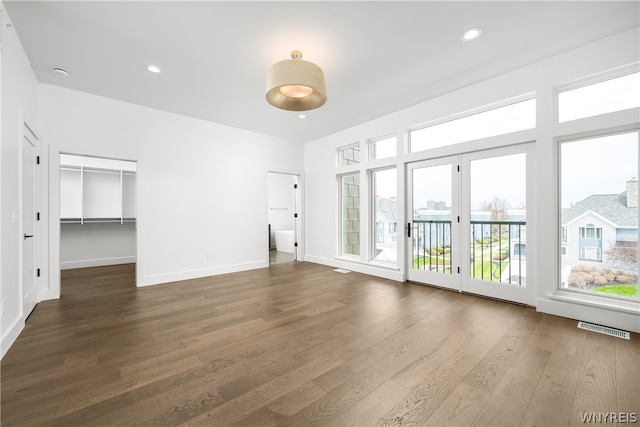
(29, 276)
(494, 203)
(433, 232)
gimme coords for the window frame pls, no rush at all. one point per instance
(340, 156)
(341, 212)
(591, 81)
(473, 112)
(372, 146)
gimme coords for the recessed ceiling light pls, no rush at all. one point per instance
(154, 69)
(60, 71)
(302, 116)
(471, 34)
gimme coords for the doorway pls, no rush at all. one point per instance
(98, 198)
(468, 222)
(284, 219)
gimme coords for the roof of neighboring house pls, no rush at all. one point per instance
(610, 206)
(389, 209)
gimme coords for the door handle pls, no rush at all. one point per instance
(408, 229)
(27, 236)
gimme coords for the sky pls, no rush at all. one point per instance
(597, 166)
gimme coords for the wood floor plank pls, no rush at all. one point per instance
(300, 345)
(627, 378)
(516, 387)
(596, 390)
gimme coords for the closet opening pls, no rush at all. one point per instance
(284, 217)
(98, 198)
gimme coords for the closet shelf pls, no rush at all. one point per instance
(95, 220)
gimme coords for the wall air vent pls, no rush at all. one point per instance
(604, 330)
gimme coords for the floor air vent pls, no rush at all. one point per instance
(604, 330)
(342, 270)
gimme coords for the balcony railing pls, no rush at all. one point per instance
(432, 245)
(497, 250)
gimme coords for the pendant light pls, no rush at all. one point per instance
(295, 84)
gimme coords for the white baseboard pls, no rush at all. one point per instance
(372, 270)
(67, 265)
(599, 316)
(11, 335)
(156, 279)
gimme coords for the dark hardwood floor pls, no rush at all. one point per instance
(298, 344)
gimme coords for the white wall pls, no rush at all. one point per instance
(322, 204)
(19, 105)
(202, 196)
(96, 244)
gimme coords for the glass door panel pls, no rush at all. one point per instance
(495, 217)
(433, 186)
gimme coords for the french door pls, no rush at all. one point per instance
(469, 220)
(433, 232)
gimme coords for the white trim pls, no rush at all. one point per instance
(596, 78)
(614, 313)
(155, 279)
(360, 267)
(473, 111)
(96, 262)
(11, 334)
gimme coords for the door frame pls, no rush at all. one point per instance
(460, 279)
(298, 206)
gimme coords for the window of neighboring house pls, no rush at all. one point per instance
(380, 232)
(590, 253)
(383, 148)
(383, 205)
(509, 118)
(349, 155)
(598, 179)
(603, 97)
(393, 227)
(591, 232)
(350, 213)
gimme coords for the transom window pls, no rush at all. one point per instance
(349, 155)
(509, 118)
(604, 97)
(382, 148)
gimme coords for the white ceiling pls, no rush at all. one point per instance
(378, 56)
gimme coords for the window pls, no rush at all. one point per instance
(382, 148)
(498, 121)
(393, 227)
(591, 232)
(599, 207)
(604, 97)
(385, 211)
(349, 155)
(350, 189)
(380, 232)
(590, 253)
